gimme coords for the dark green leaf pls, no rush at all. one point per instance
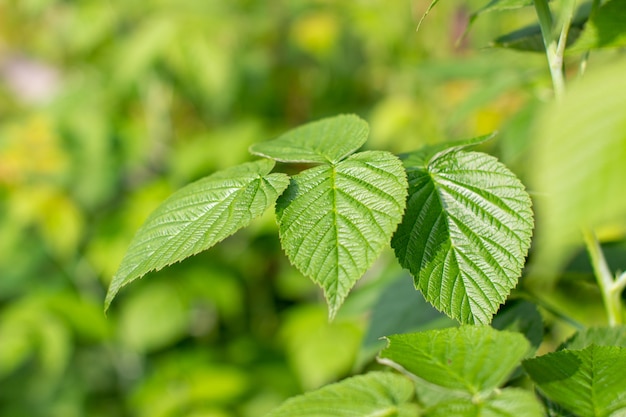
(465, 233)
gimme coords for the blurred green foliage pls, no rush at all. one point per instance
(107, 107)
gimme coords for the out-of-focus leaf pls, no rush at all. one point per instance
(589, 382)
(373, 394)
(184, 382)
(577, 168)
(153, 318)
(510, 402)
(605, 28)
(319, 352)
(465, 233)
(335, 220)
(198, 216)
(472, 359)
(523, 317)
(323, 141)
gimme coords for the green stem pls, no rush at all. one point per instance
(585, 58)
(611, 292)
(555, 47)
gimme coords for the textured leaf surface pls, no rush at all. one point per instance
(460, 358)
(334, 220)
(509, 402)
(324, 141)
(197, 217)
(374, 394)
(605, 29)
(465, 234)
(588, 382)
(599, 336)
(578, 168)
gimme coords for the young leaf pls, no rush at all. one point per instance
(472, 359)
(334, 220)
(605, 28)
(373, 394)
(465, 233)
(324, 141)
(510, 402)
(588, 382)
(197, 217)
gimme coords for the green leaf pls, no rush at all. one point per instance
(374, 394)
(465, 233)
(599, 336)
(605, 28)
(577, 167)
(529, 38)
(510, 402)
(462, 358)
(423, 155)
(588, 382)
(324, 141)
(197, 217)
(334, 220)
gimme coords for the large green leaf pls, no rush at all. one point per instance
(578, 168)
(373, 394)
(324, 141)
(510, 402)
(606, 28)
(334, 220)
(588, 382)
(197, 217)
(465, 233)
(473, 359)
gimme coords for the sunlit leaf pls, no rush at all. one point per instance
(588, 382)
(326, 141)
(373, 394)
(605, 28)
(465, 233)
(197, 217)
(334, 220)
(510, 402)
(460, 358)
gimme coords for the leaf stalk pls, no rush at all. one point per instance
(610, 288)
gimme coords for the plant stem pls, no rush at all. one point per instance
(555, 47)
(611, 290)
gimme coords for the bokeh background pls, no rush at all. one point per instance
(106, 107)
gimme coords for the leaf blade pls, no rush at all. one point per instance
(372, 394)
(327, 140)
(334, 220)
(465, 233)
(589, 382)
(197, 217)
(459, 359)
